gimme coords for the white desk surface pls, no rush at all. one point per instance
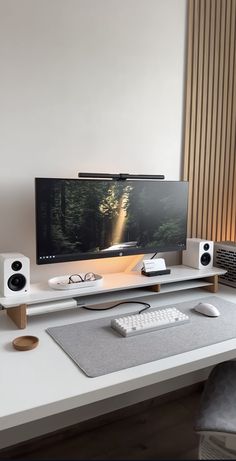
(44, 381)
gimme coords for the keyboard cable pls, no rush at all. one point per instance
(147, 306)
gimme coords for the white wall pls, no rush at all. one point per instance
(85, 85)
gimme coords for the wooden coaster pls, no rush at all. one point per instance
(25, 343)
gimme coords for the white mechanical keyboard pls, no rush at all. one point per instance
(135, 324)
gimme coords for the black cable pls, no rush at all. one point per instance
(147, 306)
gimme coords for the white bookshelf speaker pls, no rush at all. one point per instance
(14, 274)
(198, 253)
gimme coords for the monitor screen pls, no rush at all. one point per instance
(91, 218)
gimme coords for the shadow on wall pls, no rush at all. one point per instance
(17, 216)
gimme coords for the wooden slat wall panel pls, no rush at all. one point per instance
(210, 119)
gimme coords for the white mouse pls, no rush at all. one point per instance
(207, 309)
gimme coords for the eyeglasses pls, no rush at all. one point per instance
(77, 278)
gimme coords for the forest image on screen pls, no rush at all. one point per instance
(93, 216)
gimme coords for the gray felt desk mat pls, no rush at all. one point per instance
(98, 349)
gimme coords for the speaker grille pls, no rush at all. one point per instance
(16, 282)
(225, 258)
(205, 259)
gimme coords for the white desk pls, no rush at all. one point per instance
(45, 382)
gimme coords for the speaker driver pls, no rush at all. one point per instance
(16, 282)
(205, 259)
(16, 265)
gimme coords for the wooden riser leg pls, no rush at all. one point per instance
(215, 283)
(18, 315)
(155, 288)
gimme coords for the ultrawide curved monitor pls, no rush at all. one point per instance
(80, 219)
